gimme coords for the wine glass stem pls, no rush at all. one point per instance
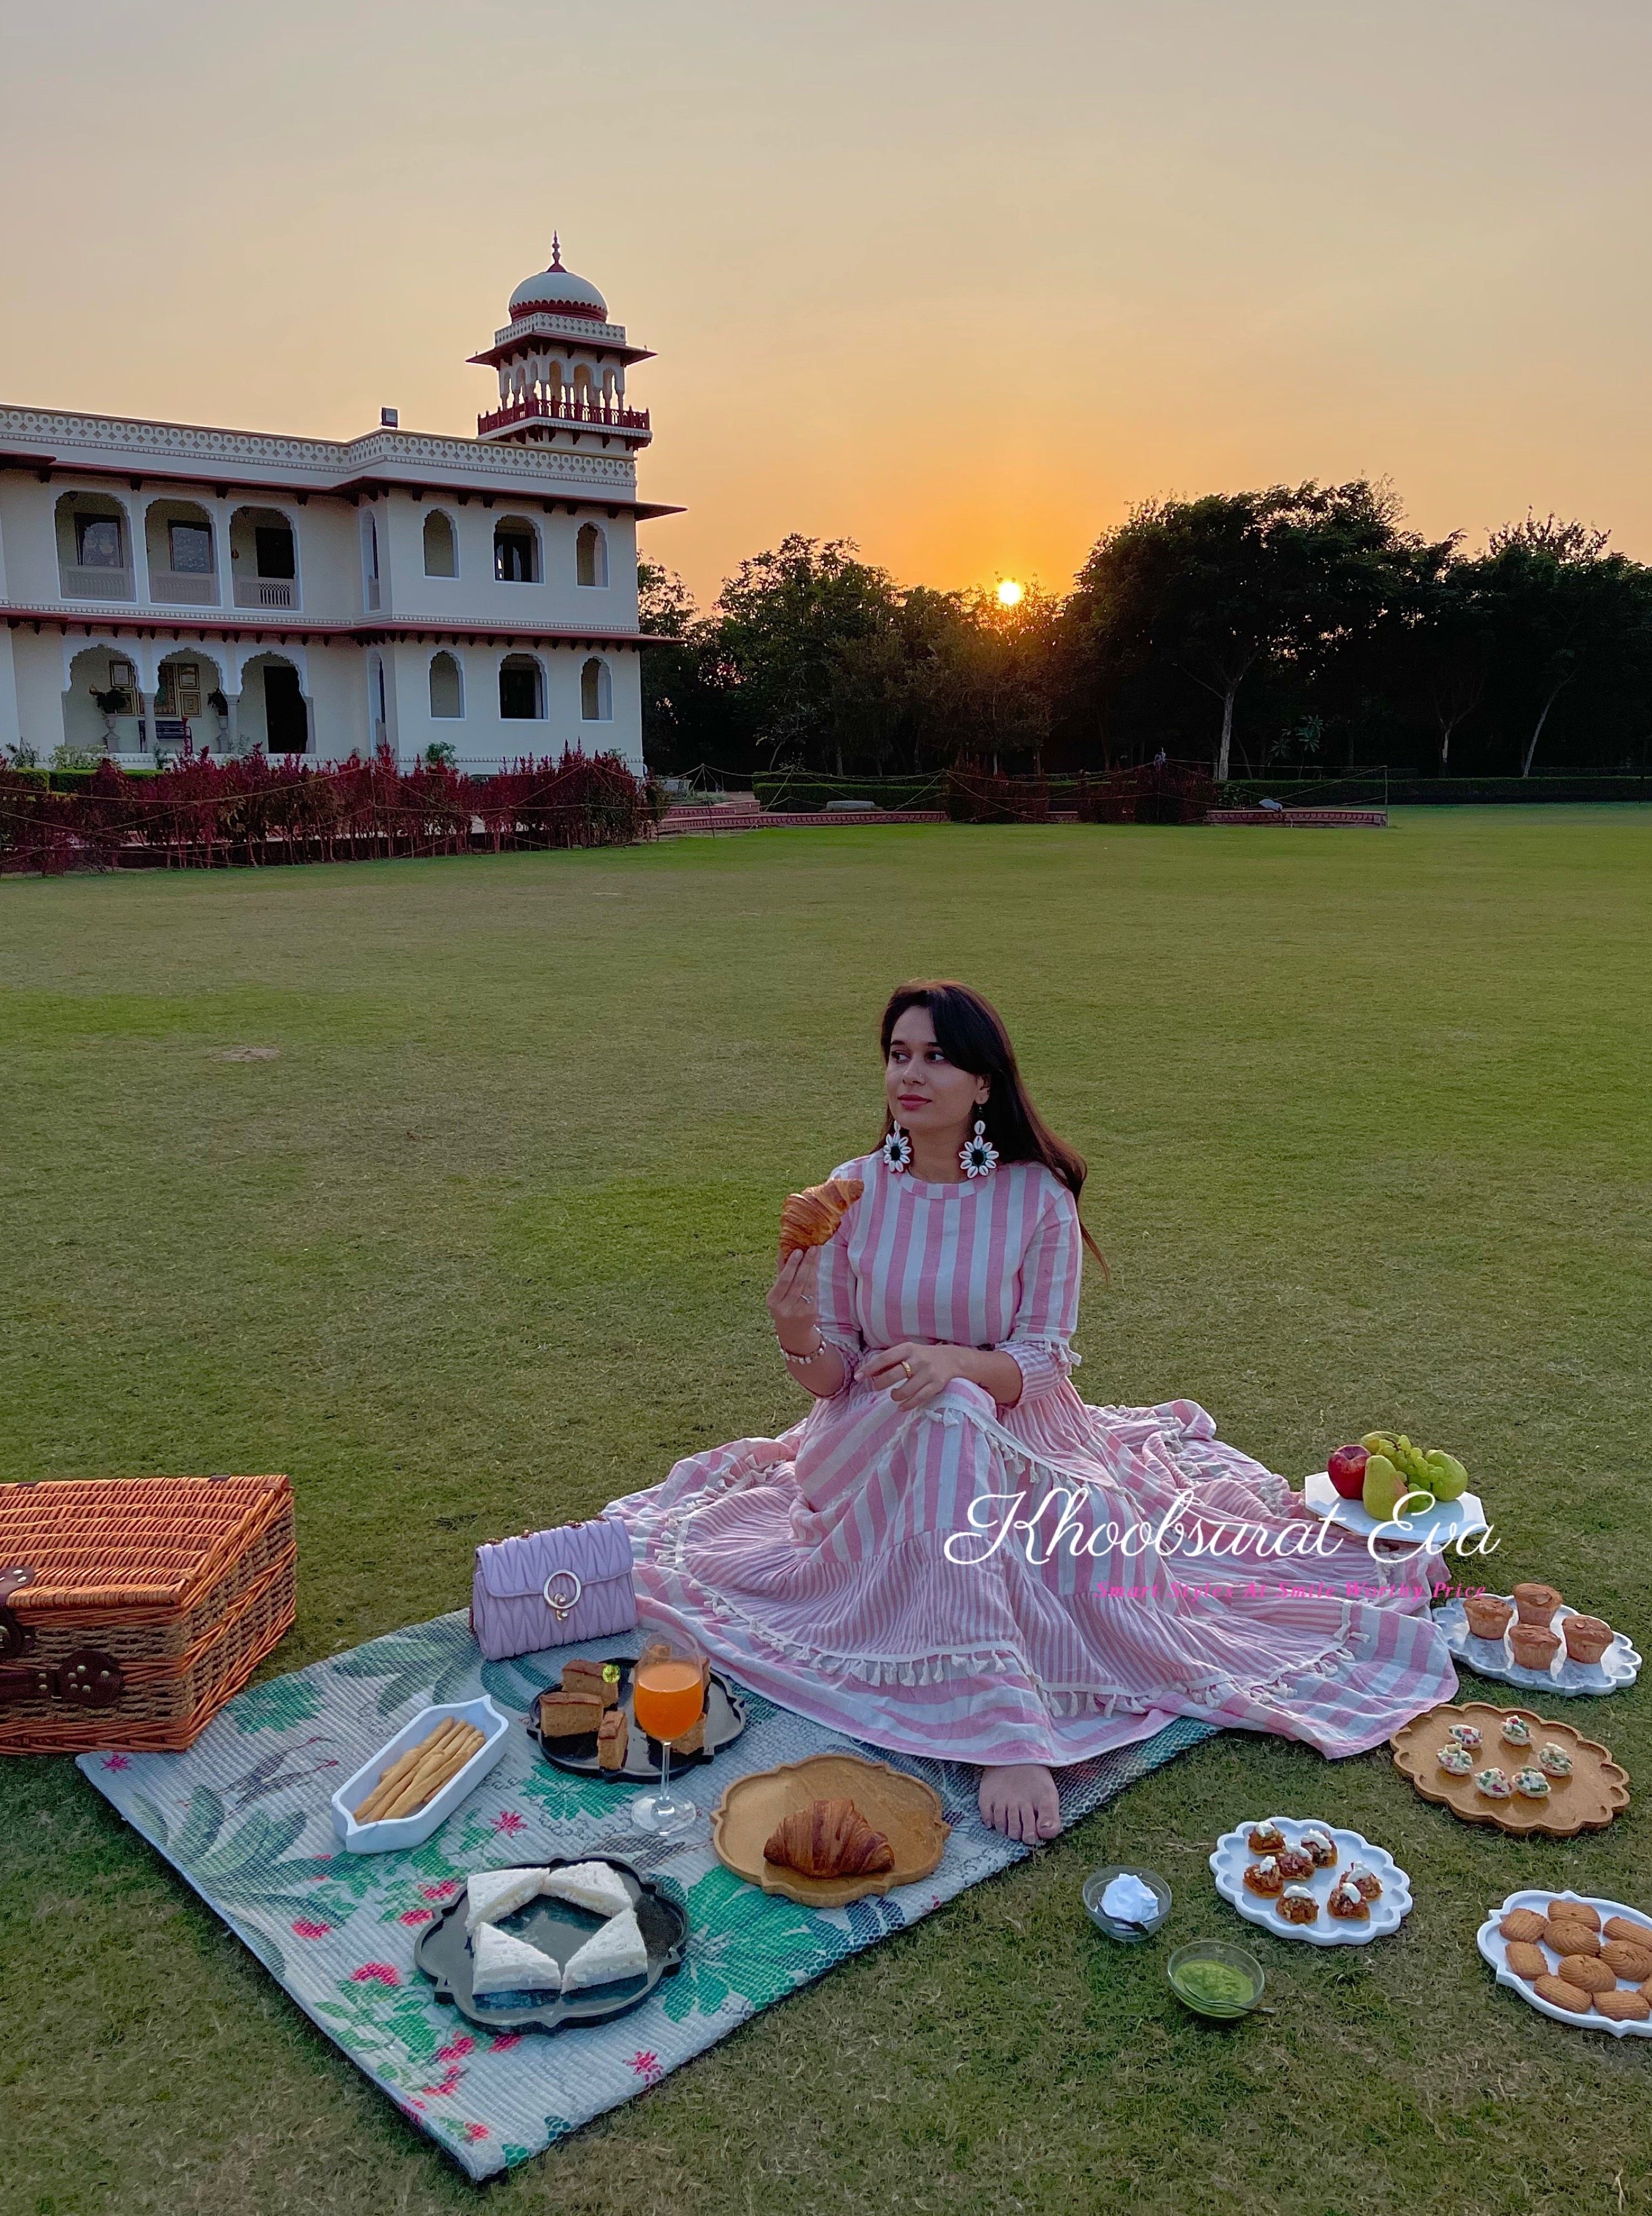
(664, 1800)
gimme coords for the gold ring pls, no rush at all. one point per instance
(906, 1366)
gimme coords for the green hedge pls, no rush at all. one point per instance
(805, 795)
(1354, 791)
(71, 780)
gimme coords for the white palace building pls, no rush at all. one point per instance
(321, 597)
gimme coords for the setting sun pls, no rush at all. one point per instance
(1009, 593)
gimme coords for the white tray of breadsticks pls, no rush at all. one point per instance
(417, 1779)
(1605, 1935)
(1337, 1856)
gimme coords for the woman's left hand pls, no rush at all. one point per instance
(912, 1375)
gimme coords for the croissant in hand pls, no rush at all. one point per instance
(829, 1839)
(810, 1217)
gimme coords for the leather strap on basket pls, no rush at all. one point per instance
(88, 1678)
(16, 1636)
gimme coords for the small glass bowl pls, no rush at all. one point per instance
(1233, 1958)
(1128, 1935)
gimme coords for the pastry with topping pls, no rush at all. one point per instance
(1264, 1877)
(1319, 1847)
(1294, 1864)
(1554, 1759)
(1367, 1881)
(1494, 1783)
(1298, 1905)
(1455, 1761)
(1347, 1904)
(1531, 1784)
(1516, 1732)
(1466, 1735)
(1266, 1838)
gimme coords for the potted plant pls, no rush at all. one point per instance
(113, 704)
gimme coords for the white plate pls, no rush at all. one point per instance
(1492, 1657)
(1493, 1945)
(1446, 1519)
(412, 1830)
(1234, 1853)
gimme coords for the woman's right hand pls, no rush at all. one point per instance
(792, 1300)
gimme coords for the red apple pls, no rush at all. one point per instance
(1347, 1471)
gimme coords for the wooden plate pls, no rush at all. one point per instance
(903, 1808)
(1585, 1801)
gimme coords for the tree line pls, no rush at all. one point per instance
(1299, 627)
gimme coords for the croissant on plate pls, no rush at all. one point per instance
(810, 1217)
(829, 1838)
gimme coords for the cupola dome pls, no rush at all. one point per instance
(559, 291)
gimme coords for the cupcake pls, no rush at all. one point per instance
(1264, 1877)
(1489, 1617)
(1464, 1735)
(1266, 1838)
(1516, 1732)
(1455, 1761)
(1587, 1638)
(1318, 1846)
(1535, 1603)
(1554, 1760)
(1494, 1783)
(1298, 1905)
(1533, 1647)
(1349, 1904)
(1531, 1785)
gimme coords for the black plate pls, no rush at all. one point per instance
(725, 1718)
(560, 1929)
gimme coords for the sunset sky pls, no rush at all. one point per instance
(959, 281)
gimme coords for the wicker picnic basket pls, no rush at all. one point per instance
(131, 1608)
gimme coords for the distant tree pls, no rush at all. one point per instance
(673, 690)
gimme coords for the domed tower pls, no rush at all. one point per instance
(562, 367)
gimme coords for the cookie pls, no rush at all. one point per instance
(1625, 2008)
(1636, 1934)
(1590, 1973)
(1571, 1938)
(1627, 1961)
(1572, 1998)
(1574, 1912)
(1523, 1924)
(1526, 1961)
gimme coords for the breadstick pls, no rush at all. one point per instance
(432, 1773)
(403, 1768)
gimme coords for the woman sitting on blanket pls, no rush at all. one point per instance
(953, 1554)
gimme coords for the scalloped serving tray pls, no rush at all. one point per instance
(1494, 1658)
(906, 1810)
(1233, 1854)
(1494, 1948)
(1588, 1800)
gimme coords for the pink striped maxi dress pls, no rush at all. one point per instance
(865, 1568)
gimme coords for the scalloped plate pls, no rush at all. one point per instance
(1494, 1948)
(1446, 1520)
(1595, 1792)
(1233, 1853)
(906, 1810)
(1492, 1657)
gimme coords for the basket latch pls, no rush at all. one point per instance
(16, 1637)
(88, 1678)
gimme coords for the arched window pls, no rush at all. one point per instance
(515, 551)
(447, 686)
(440, 546)
(591, 556)
(596, 692)
(522, 689)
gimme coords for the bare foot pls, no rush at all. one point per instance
(1019, 1800)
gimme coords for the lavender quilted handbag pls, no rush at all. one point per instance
(548, 1588)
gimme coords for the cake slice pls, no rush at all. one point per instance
(588, 1885)
(500, 1963)
(569, 1716)
(612, 1737)
(616, 1951)
(493, 1894)
(588, 1678)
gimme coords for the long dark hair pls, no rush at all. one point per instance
(971, 1033)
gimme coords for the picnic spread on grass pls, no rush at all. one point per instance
(437, 1844)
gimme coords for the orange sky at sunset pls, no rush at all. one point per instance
(959, 281)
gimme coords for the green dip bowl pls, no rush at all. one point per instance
(1215, 1979)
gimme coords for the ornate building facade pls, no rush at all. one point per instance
(321, 597)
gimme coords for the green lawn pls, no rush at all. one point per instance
(1367, 1117)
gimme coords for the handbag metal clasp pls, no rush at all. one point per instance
(561, 1604)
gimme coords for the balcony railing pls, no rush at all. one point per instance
(538, 410)
(91, 584)
(266, 592)
(184, 588)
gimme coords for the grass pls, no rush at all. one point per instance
(485, 1246)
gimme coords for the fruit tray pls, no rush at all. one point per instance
(1596, 1791)
(1446, 1520)
(1492, 1657)
(1234, 1853)
(1494, 1948)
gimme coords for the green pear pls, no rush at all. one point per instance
(1447, 1478)
(1383, 1488)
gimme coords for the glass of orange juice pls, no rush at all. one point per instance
(668, 1698)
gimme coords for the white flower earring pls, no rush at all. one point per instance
(977, 1156)
(897, 1150)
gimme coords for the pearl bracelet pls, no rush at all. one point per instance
(805, 1361)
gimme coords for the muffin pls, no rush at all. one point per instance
(1516, 1732)
(1494, 1783)
(1264, 1877)
(1623, 2007)
(1587, 1638)
(1455, 1761)
(1298, 1905)
(1526, 1961)
(1489, 1617)
(1349, 1905)
(1535, 1603)
(1319, 1847)
(1523, 1924)
(1531, 1784)
(1532, 1647)
(1554, 1759)
(1569, 1998)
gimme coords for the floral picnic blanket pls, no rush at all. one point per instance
(244, 1817)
